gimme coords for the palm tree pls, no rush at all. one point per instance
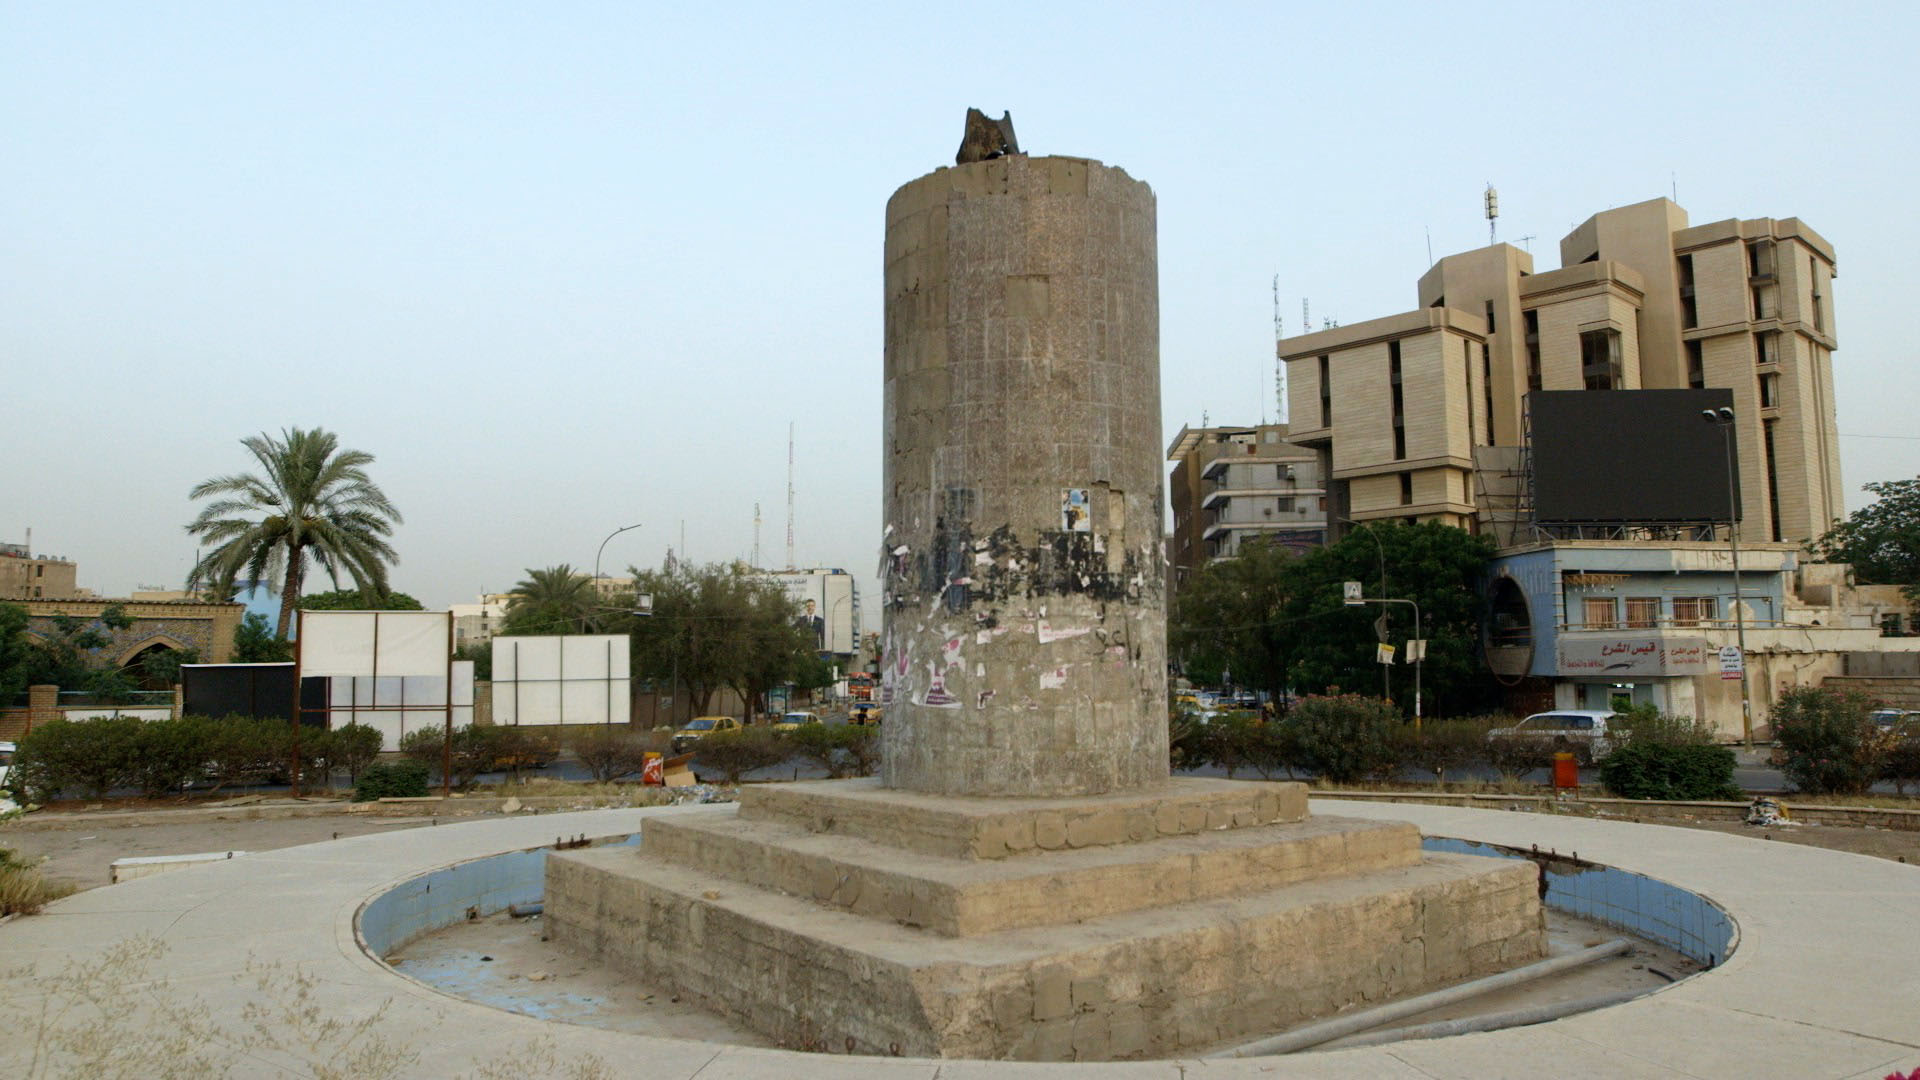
(312, 500)
(557, 600)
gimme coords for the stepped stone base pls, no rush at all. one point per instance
(841, 914)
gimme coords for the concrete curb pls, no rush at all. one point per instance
(430, 806)
(1644, 809)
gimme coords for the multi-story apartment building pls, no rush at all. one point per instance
(1233, 484)
(476, 624)
(26, 576)
(1399, 407)
(1423, 416)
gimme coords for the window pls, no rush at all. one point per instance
(1766, 347)
(1770, 390)
(1689, 310)
(1696, 366)
(1406, 489)
(1486, 386)
(1643, 612)
(1284, 504)
(1326, 394)
(1763, 305)
(1473, 421)
(1491, 329)
(1773, 473)
(1533, 350)
(1600, 359)
(1813, 275)
(1399, 408)
(1599, 612)
(1760, 259)
(1694, 610)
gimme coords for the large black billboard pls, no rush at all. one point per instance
(249, 690)
(1629, 457)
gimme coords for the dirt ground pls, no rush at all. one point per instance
(1898, 845)
(82, 853)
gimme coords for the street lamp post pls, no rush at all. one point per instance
(596, 562)
(1722, 418)
(1386, 670)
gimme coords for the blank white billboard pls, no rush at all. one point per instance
(396, 705)
(562, 679)
(371, 644)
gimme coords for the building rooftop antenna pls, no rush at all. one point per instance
(1306, 323)
(756, 536)
(1493, 213)
(1279, 369)
(790, 560)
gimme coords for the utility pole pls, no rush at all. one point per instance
(1723, 419)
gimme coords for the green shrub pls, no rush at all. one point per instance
(1186, 741)
(1828, 740)
(609, 752)
(1442, 746)
(171, 754)
(472, 751)
(823, 744)
(1243, 741)
(517, 748)
(1644, 724)
(94, 756)
(390, 780)
(863, 746)
(1514, 756)
(356, 746)
(246, 749)
(1227, 743)
(736, 753)
(1901, 763)
(1650, 769)
(1346, 737)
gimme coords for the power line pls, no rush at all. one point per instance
(1852, 435)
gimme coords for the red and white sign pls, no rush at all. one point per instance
(1654, 655)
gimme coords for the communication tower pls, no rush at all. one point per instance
(790, 562)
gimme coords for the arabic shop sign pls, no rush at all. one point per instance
(1636, 656)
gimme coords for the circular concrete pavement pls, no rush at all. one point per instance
(1825, 981)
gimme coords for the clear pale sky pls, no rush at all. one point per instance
(568, 267)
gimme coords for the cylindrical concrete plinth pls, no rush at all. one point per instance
(1024, 645)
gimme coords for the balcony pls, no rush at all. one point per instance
(1217, 497)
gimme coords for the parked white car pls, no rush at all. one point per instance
(1582, 731)
(6, 770)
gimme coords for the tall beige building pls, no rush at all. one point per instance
(1231, 485)
(1400, 407)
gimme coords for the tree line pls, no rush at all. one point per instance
(1274, 618)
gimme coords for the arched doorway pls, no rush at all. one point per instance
(155, 665)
